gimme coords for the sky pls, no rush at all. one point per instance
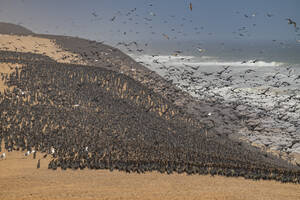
(159, 22)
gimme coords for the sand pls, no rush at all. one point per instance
(31, 44)
(20, 179)
(6, 69)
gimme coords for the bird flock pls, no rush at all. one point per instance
(178, 29)
(91, 117)
(266, 100)
(95, 118)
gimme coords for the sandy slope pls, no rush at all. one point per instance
(6, 69)
(19, 178)
(37, 45)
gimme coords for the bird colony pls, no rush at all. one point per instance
(91, 117)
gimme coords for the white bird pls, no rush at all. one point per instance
(200, 50)
(209, 114)
(52, 150)
(27, 153)
(152, 14)
(3, 156)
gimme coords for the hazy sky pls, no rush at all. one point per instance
(113, 21)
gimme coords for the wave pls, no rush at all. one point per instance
(201, 61)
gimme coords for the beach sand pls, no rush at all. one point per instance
(20, 179)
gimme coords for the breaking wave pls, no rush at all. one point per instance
(201, 61)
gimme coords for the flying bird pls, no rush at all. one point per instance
(94, 14)
(290, 21)
(147, 19)
(152, 14)
(112, 19)
(200, 50)
(166, 36)
(191, 7)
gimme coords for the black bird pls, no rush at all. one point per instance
(112, 19)
(290, 21)
(275, 74)
(94, 14)
(298, 77)
(249, 70)
(265, 91)
(38, 164)
(178, 52)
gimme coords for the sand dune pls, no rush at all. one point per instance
(38, 45)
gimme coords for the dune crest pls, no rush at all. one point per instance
(32, 44)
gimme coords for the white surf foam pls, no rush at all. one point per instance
(201, 61)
